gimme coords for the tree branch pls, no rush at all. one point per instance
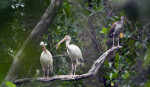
(60, 56)
(75, 3)
(30, 45)
(94, 69)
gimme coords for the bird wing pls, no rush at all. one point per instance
(50, 61)
(112, 30)
(76, 51)
(46, 60)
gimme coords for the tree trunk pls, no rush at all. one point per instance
(33, 40)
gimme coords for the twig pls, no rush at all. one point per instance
(75, 3)
(60, 56)
(94, 69)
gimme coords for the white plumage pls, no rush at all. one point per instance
(46, 60)
(73, 51)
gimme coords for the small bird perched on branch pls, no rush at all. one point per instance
(46, 61)
(73, 51)
(117, 28)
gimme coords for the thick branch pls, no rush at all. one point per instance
(29, 47)
(94, 69)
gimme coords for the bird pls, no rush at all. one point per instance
(117, 28)
(74, 53)
(46, 60)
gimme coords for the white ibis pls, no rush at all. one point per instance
(46, 61)
(73, 51)
(117, 28)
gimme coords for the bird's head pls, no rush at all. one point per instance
(42, 44)
(124, 18)
(66, 38)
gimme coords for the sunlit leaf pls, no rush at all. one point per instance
(112, 84)
(117, 56)
(104, 30)
(10, 84)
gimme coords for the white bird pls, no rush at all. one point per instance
(117, 28)
(46, 61)
(73, 51)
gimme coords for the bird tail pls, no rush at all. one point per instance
(109, 42)
(80, 62)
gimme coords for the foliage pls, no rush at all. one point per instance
(88, 23)
(10, 84)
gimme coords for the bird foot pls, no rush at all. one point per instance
(72, 76)
(47, 77)
(43, 78)
(112, 47)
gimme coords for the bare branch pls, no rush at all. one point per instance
(75, 3)
(94, 69)
(60, 56)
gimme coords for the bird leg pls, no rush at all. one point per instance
(44, 72)
(113, 41)
(72, 67)
(118, 41)
(47, 73)
(44, 75)
(75, 67)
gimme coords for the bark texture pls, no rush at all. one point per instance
(33, 40)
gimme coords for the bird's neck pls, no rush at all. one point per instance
(44, 49)
(67, 43)
(122, 22)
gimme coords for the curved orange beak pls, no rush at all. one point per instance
(60, 42)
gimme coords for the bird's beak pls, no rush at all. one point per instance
(128, 22)
(60, 42)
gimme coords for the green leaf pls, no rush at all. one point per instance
(91, 14)
(104, 30)
(126, 75)
(112, 84)
(36, 74)
(110, 64)
(148, 84)
(123, 76)
(111, 76)
(10, 84)
(116, 64)
(117, 56)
